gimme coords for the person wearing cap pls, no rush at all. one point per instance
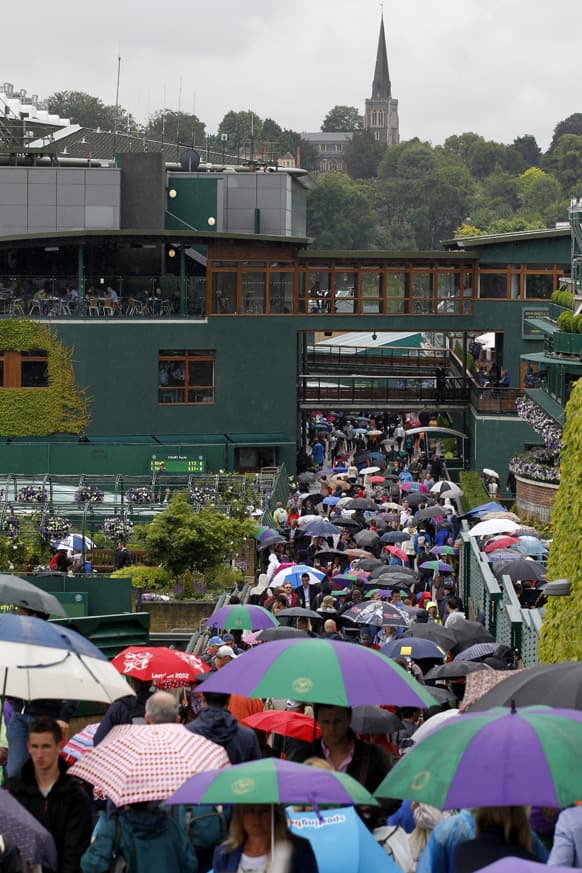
(229, 640)
(433, 612)
(224, 654)
(214, 643)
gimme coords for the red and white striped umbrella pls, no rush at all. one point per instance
(137, 763)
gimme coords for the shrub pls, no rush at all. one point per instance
(577, 320)
(566, 321)
(563, 298)
(145, 577)
(473, 488)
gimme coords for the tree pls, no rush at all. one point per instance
(363, 155)
(568, 155)
(241, 128)
(572, 124)
(166, 125)
(339, 214)
(342, 118)
(467, 230)
(528, 148)
(183, 539)
(88, 111)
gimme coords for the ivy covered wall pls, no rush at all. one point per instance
(62, 407)
(561, 631)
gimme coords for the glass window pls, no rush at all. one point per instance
(539, 286)
(186, 377)
(319, 290)
(493, 285)
(24, 369)
(422, 292)
(281, 292)
(252, 292)
(224, 293)
(346, 283)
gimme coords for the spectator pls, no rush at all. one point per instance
(218, 725)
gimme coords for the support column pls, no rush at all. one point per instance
(81, 277)
(183, 297)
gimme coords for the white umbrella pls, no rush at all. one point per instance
(433, 722)
(74, 543)
(490, 473)
(305, 519)
(396, 506)
(40, 659)
(446, 489)
(493, 526)
(368, 470)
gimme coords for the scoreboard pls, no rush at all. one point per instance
(179, 463)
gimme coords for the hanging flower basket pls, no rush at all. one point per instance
(32, 494)
(116, 527)
(55, 527)
(139, 496)
(88, 494)
(202, 495)
(11, 526)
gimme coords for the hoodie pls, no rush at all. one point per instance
(217, 724)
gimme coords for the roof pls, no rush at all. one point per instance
(76, 236)
(364, 339)
(326, 136)
(381, 88)
(386, 255)
(472, 242)
(82, 142)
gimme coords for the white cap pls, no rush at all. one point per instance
(226, 652)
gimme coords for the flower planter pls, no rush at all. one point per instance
(535, 500)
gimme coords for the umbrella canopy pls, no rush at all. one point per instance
(529, 545)
(397, 553)
(430, 512)
(343, 579)
(493, 526)
(413, 647)
(369, 564)
(521, 571)
(166, 668)
(430, 631)
(479, 650)
(558, 685)
(373, 720)
(298, 612)
(362, 503)
(19, 592)
(272, 781)
(35, 843)
(242, 617)
(504, 555)
(491, 474)
(444, 550)
(80, 743)
(286, 724)
(410, 487)
(306, 477)
(498, 758)
(377, 612)
(393, 570)
(321, 528)
(293, 573)
(329, 554)
(75, 542)
(437, 567)
(41, 659)
(501, 543)
(392, 580)
(491, 506)
(394, 537)
(467, 633)
(454, 670)
(347, 522)
(138, 763)
(324, 671)
(376, 480)
(269, 634)
(367, 538)
(446, 489)
(415, 498)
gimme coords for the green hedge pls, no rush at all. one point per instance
(563, 298)
(145, 577)
(473, 488)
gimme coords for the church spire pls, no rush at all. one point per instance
(381, 89)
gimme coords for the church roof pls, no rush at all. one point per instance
(381, 89)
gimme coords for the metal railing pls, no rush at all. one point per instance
(494, 400)
(375, 389)
(366, 360)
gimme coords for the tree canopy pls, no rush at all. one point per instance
(165, 125)
(342, 118)
(88, 111)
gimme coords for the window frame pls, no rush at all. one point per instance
(11, 371)
(187, 357)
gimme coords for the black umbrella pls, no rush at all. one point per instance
(320, 528)
(306, 477)
(395, 536)
(347, 522)
(373, 720)
(390, 580)
(556, 685)
(431, 631)
(19, 592)
(362, 503)
(367, 539)
(520, 571)
(455, 670)
(443, 694)
(430, 512)
(467, 633)
(416, 497)
(314, 497)
(298, 612)
(394, 570)
(376, 612)
(329, 554)
(281, 632)
(370, 564)
(270, 541)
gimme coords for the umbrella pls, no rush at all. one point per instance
(359, 553)
(467, 633)
(35, 843)
(529, 545)
(395, 536)
(431, 631)
(331, 500)
(298, 612)
(491, 474)
(80, 743)
(326, 671)
(263, 532)
(397, 553)
(497, 758)
(479, 650)
(167, 668)
(493, 526)
(393, 569)
(343, 579)
(413, 647)
(430, 512)
(242, 617)
(439, 718)
(390, 505)
(520, 865)
(272, 781)
(410, 487)
(492, 506)
(391, 580)
(314, 498)
(138, 763)
(444, 550)
(446, 488)
(504, 556)
(330, 554)
(370, 564)
(478, 684)
(454, 670)
(74, 542)
(282, 632)
(505, 514)
(270, 541)
(376, 458)
(376, 480)
(320, 528)
(362, 503)
(444, 695)
(558, 685)
(306, 477)
(525, 530)
(347, 522)
(19, 592)
(501, 543)
(287, 724)
(415, 498)
(377, 612)
(367, 538)
(521, 571)
(41, 659)
(436, 567)
(305, 519)
(373, 720)
(293, 573)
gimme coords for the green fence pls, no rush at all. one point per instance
(483, 594)
(273, 485)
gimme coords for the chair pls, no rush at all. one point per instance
(35, 306)
(92, 307)
(16, 307)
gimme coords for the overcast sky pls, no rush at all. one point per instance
(501, 68)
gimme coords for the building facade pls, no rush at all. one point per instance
(381, 113)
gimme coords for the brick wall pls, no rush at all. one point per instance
(535, 499)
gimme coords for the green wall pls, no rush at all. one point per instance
(495, 439)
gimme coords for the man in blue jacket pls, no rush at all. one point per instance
(216, 723)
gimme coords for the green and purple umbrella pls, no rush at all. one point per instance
(323, 671)
(520, 757)
(267, 536)
(238, 617)
(436, 567)
(272, 781)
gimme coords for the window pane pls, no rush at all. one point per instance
(224, 293)
(281, 292)
(171, 395)
(493, 285)
(372, 286)
(200, 373)
(395, 284)
(345, 290)
(539, 287)
(252, 292)
(34, 374)
(422, 292)
(319, 292)
(201, 395)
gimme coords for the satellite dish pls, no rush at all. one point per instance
(190, 160)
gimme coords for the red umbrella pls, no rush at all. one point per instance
(165, 667)
(501, 543)
(287, 724)
(398, 553)
(376, 480)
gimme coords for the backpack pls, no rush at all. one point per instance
(144, 852)
(206, 826)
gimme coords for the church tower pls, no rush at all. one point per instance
(381, 115)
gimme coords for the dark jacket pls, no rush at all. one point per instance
(485, 849)
(218, 725)
(123, 711)
(369, 765)
(302, 858)
(65, 812)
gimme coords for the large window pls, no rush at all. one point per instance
(186, 377)
(24, 369)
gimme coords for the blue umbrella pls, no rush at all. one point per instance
(530, 546)
(413, 647)
(327, 829)
(74, 542)
(377, 458)
(331, 500)
(479, 650)
(486, 507)
(394, 537)
(320, 528)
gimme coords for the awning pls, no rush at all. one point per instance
(544, 325)
(259, 439)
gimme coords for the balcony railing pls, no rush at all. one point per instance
(376, 361)
(360, 389)
(494, 400)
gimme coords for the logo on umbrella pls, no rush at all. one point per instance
(243, 786)
(302, 685)
(136, 661)
(420, 779)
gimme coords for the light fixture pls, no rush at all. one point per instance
(212, 221)
(374, 336)
(172, 193)
(171, 253)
